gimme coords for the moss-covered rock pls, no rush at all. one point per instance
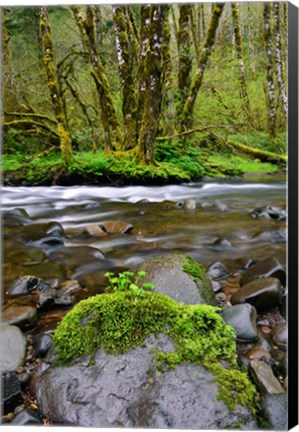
(180, 277)
(122, 321)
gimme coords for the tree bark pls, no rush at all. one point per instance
(48, 59)
(152, 80)
(279, 63)
(111, 127)
(269, 69)
(125, 64)
(187, 115)
(185, 60)
(195, 30)
(241, 65)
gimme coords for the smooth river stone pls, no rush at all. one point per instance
(19, 315)
(243, 318)
(275, 407)
(263, 293)
(269, 267)
(25, 284)
(218, 271)
(279, 336)
(13, 348)
(264, 378)
(114, 227)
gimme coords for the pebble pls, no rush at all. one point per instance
(218, 271)
(222, 242)
(263, 293)
(269, 267)
(26, 284)
(27, 416)
(243, 318)
(258, 354)
(189, 204)
(279, 336)
(41, 344)
(264, 378)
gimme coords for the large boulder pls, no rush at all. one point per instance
(179, 277)
(127, 390)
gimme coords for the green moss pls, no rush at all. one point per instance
(194, 269)
(120, 321)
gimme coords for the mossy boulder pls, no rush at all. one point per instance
(179, 277)
(145, 347)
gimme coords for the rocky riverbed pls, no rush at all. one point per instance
(57, 249)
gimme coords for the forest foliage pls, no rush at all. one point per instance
(167, 92)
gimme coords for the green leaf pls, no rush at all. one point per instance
(148, 285)
(141, 273)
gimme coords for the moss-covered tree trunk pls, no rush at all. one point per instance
(195, 30)
(185, 59)
(241, 64)
(167, 105)
(251, 49)
(48, 59)
(187, 114)
(125, 65)
(110, 123)
(279, 62)
(270, 90)
(152, 81)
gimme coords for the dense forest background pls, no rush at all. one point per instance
(137, 93)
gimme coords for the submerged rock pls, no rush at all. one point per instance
(114, 227)
(179, 277)
(128, 391)
(13, 348)
(26, 284)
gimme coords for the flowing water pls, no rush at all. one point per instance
(160, 225)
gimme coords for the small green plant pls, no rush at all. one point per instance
(128, 281)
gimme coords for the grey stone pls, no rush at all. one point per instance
(279, 336)
(218, 271)
(275, 408)
(11, 395)
(13, 348)
(189, 204)
(128, 391)
(27, 416)
(264, 378)
(167, 274)
(269, 267)
(25, 284)
(243, 318)
(263, 293)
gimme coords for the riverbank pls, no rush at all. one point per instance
(96, 168)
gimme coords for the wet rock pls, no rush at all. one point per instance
(265, 213)
(276, 236)
(77, 256)
(279, 336)
(70, 287)
(13, 348)
(96, 231)
(45, 236)
(275, 408)
(283, 305)
(221, 299)
(216, 286)
(264, 378)
(16, 217)
(258, 354)
(206, 204)
(249, 263)
(243, 318)
(53, 297)
(222, 242)
(169, 277)
(41, 344)
(189, 204)
(55, 229)
(114, 227)
(264, 293)
(137, 395)
(20, 315)
(221, 206)
(27, 416)
(11, 392)
(26, 284)
(269, 267)
(24, 378)
(218, 271)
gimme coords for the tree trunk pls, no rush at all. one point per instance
(241, 65)
(111, 127)
(125, 64)
(251, 49)
(187, 115)
(279, 63)
(152, 80)
(167, 104)
(195, 30)
(185, 60)
(269, 68)
(48, 59)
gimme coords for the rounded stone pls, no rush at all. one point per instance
(218, 271)
(243, 318)
(269, 267)
(279, 336)
(263, 293)
(13, 348)
(25, 284)
(19, 315)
